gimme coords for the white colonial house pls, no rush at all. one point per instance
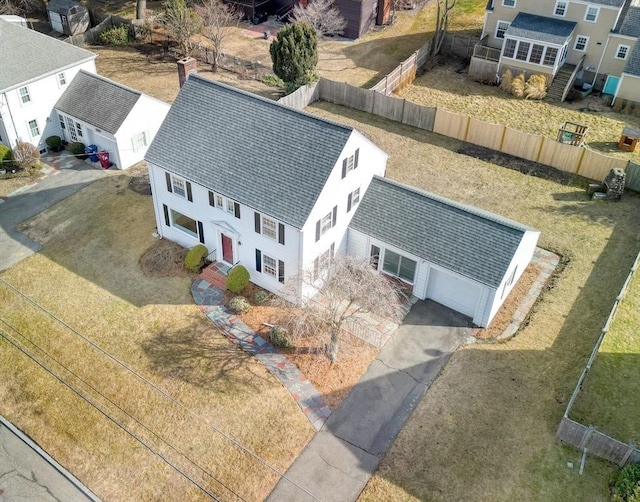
(117, 119)
(35, 70)
(280, 191)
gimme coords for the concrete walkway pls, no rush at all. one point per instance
(337, 463)
(65, 175)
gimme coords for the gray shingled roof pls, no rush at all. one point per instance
(98, 101)
(631, 23)
(28, 55)
(633, 64)
(609, 3)
(464, 239)
(248, 148)
(543, 29)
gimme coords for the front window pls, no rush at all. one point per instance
(561, 8)
(536, 53)
(509, 48)
(62, 80)
(269, 228)
(355, 196)
(322, 262)
(550, 56)
(79, 129)
(184, 223)
(72, 129)
(581, 43)
(509, 3)
(178, 186)
(25, 97)
(502, 27)
(61, 120)
(400, 266)
(622, 52)
(139, 141)
(523, 51)
(325, 224)
(219, 201)
(269, 265)
(592, 14)
(33, 128)
(230, 206)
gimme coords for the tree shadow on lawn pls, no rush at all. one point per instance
(200, 357)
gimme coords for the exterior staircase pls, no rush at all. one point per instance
(561, 81)
(216, 274)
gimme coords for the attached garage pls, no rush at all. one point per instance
(453, 291)
(458, 255)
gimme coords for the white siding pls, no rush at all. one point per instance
(217, 221)
(146, 116)
(44, 93)
(371, 161)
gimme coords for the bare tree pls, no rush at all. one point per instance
(444, 8)
(346, 287)
(218, 21)
(322, 16)
(141, 9)
(20, 6)
(182, 23)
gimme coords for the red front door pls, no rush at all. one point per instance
(227, 249)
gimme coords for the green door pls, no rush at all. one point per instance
(611, 85)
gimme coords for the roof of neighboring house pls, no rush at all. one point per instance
(633, 64)
(461, 238)
(543, 29)
(248, 148)
(609, 3)
(98, 101)
(28, 55)
(630, 24)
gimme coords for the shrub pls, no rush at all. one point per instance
(195, 257)
(279, 337)
(54, 143)
(239, 305)
(77, 148)
(116, 35)
(6, 157)
(506, 81)
(536, 87)
(625, 483)
(260, 296)
(237, 279)
(517, 86)
(26, 155)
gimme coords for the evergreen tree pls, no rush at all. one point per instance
(295, 55)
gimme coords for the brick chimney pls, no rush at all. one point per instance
(186, 66)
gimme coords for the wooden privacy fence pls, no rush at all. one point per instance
(588, 439)
(92, 35)
(405, 72)
(460, 45)
(547, 151)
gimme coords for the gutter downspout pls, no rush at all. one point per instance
(606, 46)
(15, 129)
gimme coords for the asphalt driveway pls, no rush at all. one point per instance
(340, 459)
(74, 175)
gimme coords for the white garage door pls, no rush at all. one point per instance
(456, 293)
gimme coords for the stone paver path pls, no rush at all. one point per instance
(210, 299)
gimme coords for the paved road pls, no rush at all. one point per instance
(28, 473)
(337, 463)
(16, 246)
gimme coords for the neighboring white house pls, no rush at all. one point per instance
(460, 256)
(277, 189)
(122, 121)
(35, 70)
(256, 182)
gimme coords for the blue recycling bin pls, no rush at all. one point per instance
(92, 150)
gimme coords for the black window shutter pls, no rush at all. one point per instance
(212, 199)
(335, 216)
(189, 194)
(333, 248)
(344, 168)
(316, 267)
(169, 186)
(355, 158)
(236, 210)
(317, 230)
(281, 233)
(166, 215)
(258, 260)
(256, 219)
(280, 270)
(349, 203)
(201, 232)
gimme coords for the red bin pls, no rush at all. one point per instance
(103, 157)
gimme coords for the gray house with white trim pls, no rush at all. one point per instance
(281, 191)
(122, 121)
(458, 255)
